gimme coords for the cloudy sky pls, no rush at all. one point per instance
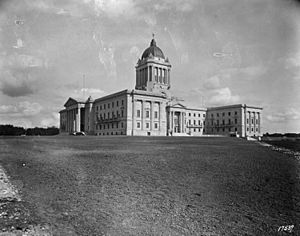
(222, 52)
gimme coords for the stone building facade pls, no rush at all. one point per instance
(149, 110)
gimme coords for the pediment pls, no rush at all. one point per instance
(70, 102)
(178, 105)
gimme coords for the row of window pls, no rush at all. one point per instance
(199, 115)
(110, 105)
(252, 121)
(138, 125)
(111, 133)
(109, 126)
(252, 129)
(223, 114)
(195, 122)
(229, 129)
(111, 115)
(223, 122)
(147, 114)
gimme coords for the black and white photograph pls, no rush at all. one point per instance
(149, 117)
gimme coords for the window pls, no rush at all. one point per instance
(223, 122)
(100, 107)
(199, 115)
(147, 114)
(97, 108)
(199, 122)
(212, 115)
(138, 113)
(189, 122)
(252, 129)
(189, 114)
(147, 125)
(104, 106)
(203, 115)
(194, 122)
(108, 106)
(194, 114)
(235, 121)
(223, 114)
(194, 130)
(155, 114)
(122, 113)
(155, 125)
(122, 102)
(217, 114)
(112, 125)
(138, 125)
(203, 123)
(247, 121)
(117, 103)
(235, 112)
(256, 121)
(229, 121)
(112, 104)
(256, 129)
(107, 115)
(235, 129)
(229, 113)
(122, 124)
(223, 129)
(247, 128)
(252, 121)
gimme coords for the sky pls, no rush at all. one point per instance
(222, 52)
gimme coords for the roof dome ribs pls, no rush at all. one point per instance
(153, 51)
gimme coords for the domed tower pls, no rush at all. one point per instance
(153, 70)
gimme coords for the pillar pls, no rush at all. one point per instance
(151, 115)
(142, 114)
(172, 121)
(78, 119)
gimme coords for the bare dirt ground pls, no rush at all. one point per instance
(152, 186)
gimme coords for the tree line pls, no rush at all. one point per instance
(17, 131)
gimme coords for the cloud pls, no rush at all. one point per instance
(212, 83)
(179, 5)
(50, 121)
(93, 92)
(293, 60)
(288, 114)
(16, 85)
(112, 8)
(4, 109)
(22, 109)
(106, 56)
(222, 96)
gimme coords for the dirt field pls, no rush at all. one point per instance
(153, 186)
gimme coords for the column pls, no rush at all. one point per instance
(169, 76)
(78, 119)
(172, 121)
(142, 115)
(254, 122)
(182, 123)
(258, 119)
(133, 115)
(151, 115)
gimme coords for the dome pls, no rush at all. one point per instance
(153, 51)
